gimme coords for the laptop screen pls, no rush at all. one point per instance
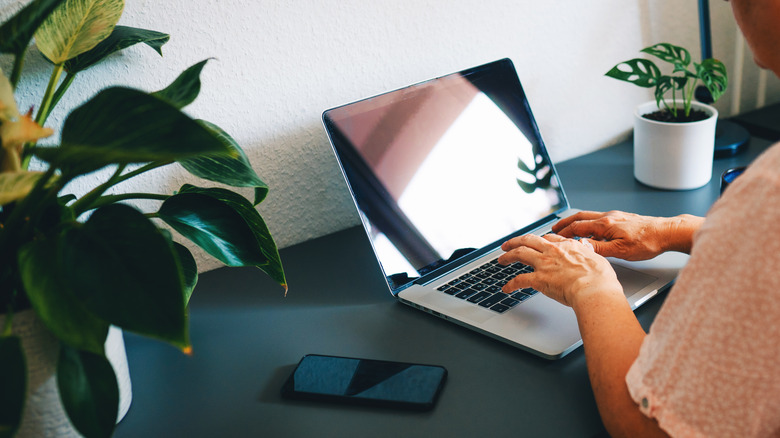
(444, 168)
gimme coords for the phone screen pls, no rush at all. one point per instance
(366, 381)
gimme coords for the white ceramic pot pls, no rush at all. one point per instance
(44, 415)
(674, 156)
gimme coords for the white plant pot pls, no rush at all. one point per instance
(44, 415)
(674, 156)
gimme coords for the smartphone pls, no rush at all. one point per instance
(365, 382)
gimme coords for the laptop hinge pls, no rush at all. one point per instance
(473, 255)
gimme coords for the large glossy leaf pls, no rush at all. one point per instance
(54, 303)
(234, 170)
(16, 33)
(184, 89)
(121, 126)
(76, 27)
(226, 225)
(89, 391)
(121, 38)
(124, 271)
(189, 269)
(13, 381)
(638, 71)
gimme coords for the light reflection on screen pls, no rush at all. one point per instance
(444, 167)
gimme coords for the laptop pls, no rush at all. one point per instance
(442, 173)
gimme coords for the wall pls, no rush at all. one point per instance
(278, 64)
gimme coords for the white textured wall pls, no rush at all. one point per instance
(278, 64)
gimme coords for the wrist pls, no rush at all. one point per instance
(679, 232)
(588, 296)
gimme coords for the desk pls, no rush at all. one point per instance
(247, 337)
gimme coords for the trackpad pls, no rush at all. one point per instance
(632, 281)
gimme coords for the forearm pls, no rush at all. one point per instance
(612, 337)
(679, 232)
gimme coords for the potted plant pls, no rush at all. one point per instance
(674, 138)
(82, 264)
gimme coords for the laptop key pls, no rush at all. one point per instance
(451, 290)
(519, 296)
(500, 308)
(466, 293)
(494, 299)
(478, 297)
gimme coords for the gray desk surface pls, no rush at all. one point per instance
(247, 337)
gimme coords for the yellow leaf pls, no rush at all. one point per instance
(14, 134)
(8, 109)
(16, 185)
(77, 26)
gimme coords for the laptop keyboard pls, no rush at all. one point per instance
(482, 286)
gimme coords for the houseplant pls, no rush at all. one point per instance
(85, 263)
(674, 136)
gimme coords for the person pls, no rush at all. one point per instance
(710, 364)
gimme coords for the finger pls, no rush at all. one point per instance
(586, 228)
(602, 248)
(522, 254)
(519, 282)
(554, 238)
(528, 240)
(579, 216)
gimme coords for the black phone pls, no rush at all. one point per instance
(366, 382)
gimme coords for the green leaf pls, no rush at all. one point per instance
(123, 126)
(524, 167)
(184, 89)
(16, 33)
(638, 71)
(76, 27)
(13, 381)
(234, 170)
(54, 303)
(226, 226)
(189, 269)
(125, 272)
(670, 53)
(16, 185)
(713, 74)
(89, 391)
(121, 38)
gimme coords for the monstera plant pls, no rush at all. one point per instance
(680, 83)
(83, 263)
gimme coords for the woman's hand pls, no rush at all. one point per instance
(564, 269)
(630, 236)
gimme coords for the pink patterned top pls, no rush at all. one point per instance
(710, 365)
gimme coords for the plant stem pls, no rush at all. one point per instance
(84, 203)
(87, 202)
(143, 169)
(16, 73)
(111, 199)
(47, 104)
(689, 98)
(9, 319)
(57, 96)
(47, 96)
